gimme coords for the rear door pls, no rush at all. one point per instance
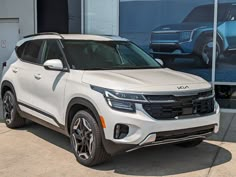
(23, 69)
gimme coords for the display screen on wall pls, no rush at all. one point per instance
(226, 60)
(180, 32)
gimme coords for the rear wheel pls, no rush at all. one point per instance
(189, 144)
(86, 140)
(10, 113)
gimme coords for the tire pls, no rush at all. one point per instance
(86, 140)
(10, 113)
(205, 51)
(190, 144)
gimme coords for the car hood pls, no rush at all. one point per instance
(183, 26)
(145, 80)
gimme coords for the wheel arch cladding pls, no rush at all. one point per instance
(77, 104)
(205, 34)
(7, 86)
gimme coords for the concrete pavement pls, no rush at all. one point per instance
(35, 151)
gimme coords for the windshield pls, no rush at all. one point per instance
(206, 13)
(106, 55)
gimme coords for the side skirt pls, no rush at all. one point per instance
(60, 129)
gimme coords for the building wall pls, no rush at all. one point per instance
(102, 17)
(23, 10)
(75, 16)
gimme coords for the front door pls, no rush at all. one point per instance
(49, 87)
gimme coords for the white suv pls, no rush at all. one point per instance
(106, 94)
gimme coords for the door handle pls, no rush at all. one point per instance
(15, 70)
(37, 76)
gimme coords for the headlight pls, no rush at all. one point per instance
(119, 100)
(121, 105)
(185, 36)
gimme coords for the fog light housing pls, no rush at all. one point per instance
(121, 131)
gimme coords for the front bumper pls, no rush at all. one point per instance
(141, 125)
(176, 136)
(176, 49)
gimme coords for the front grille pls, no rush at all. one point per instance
(164, 47)
(179, 107)
(166, 36)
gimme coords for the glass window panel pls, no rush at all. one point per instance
(32, 51)
(180, 32)
(100, 18)
(225, 62)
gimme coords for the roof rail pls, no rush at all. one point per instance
(45, 33)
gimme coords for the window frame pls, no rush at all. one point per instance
(42, 53)
(66, 67)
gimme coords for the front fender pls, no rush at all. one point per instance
(201, 33)
(86, 103)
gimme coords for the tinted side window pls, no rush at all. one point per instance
(52, 51)
(20, 50)
(233, 13)
(32, 51)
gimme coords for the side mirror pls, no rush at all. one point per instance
(160, 61)
(53, 64)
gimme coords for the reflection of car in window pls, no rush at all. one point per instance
(194, 36)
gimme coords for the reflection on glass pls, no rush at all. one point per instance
(193, 37)
(226, 64)
(172, 31)
(226, 96)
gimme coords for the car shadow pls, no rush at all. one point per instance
(166, 160)
(48, 135)
(153, 161)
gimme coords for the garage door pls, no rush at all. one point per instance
(9, 35)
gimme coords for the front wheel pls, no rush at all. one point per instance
(86, 140)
